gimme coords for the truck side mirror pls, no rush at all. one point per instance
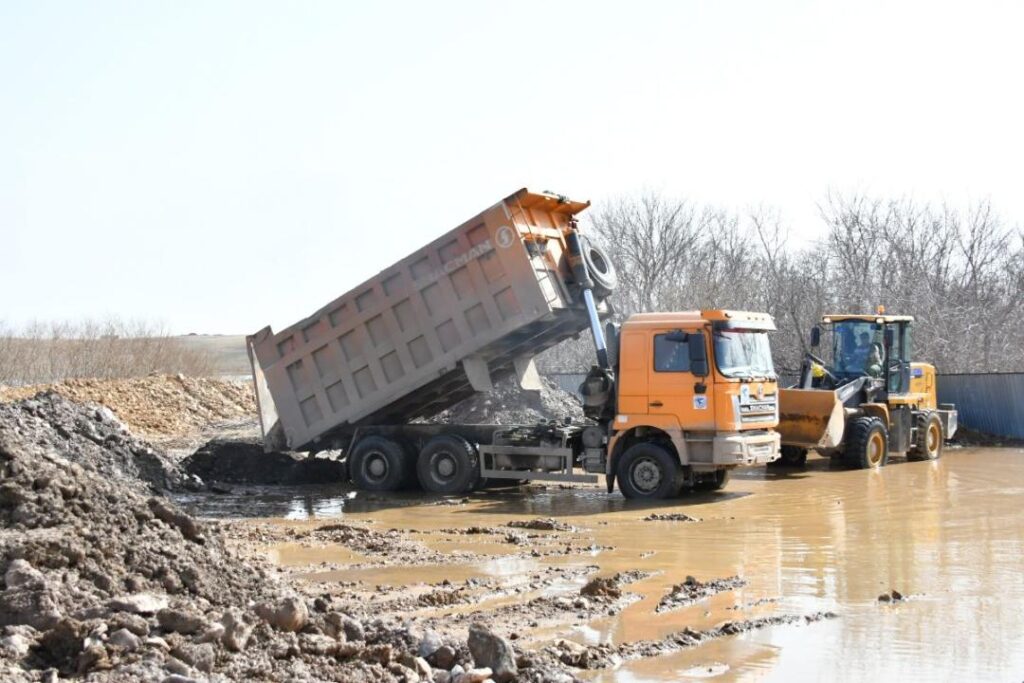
(815, 336)
(698, 354)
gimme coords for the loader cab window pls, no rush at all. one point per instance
(670, 355)
(858, 348)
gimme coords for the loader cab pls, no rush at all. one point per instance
(864, 345)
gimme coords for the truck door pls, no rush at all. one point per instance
(673, 389)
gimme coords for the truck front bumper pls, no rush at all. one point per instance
(748, 449)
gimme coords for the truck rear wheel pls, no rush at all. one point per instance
(928, 444)
(867, 446)
(378, 464)
(711, 481)
(448, 464)
(649, 471)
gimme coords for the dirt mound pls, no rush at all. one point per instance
(691, 590)
(99, 580)
(510, 404)
(245, 462)
(156, 406)
(90, 436)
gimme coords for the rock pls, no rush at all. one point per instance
(423, 669)
(14, 646)
(20, 573)
(133, 622)
(125, 639)
(290, 614)
(138, 603)
(181, 621)
(177, 678)
(158, 643)
(236, 630)
(214, 634)
(492, 652)
(429, 644)
(163, 511)
(443, 657)
(353, 628)
(442, 677)
(316, 644)
(456, 670)
(202, 657)
(473, 676)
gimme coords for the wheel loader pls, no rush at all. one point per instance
(863, 399)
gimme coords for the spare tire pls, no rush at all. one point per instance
(600, 268)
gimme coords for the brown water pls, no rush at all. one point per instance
(950, 534)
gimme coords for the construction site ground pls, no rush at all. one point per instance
(911, 572)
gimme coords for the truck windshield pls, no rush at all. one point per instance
(743, 353)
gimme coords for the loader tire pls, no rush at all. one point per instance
(378, 464)
(928, 444)
(867, 443)
(648, 471)
(712, 481)
(448, 464)
(600, 269)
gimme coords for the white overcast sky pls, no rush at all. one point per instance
(223, 165)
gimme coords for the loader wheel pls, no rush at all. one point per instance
(712, 481)
(648, 471)
(928, 445)
(791, 456)
(378, 464)
(448, 464)
(867, 446)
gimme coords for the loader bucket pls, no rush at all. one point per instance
(811, 418)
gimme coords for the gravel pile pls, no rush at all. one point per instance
(510, 404)
(157, 406)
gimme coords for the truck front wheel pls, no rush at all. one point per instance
(378, 464)
(648, 470)
(448, 464)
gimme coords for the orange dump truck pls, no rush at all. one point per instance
(687, 397)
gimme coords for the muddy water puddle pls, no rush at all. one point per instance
(948, 534)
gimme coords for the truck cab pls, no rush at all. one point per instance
(696, 397)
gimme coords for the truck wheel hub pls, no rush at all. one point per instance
(376, 466)
(446, 465)
(646, 475)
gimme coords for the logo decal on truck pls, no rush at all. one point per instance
(504, 237)
(700, 402)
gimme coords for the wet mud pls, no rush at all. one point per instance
(793, 561)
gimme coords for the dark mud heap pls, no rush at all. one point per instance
(510, 404)
(100, 579)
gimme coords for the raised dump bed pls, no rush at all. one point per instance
(478, 302)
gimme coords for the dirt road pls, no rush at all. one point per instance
(946, 536)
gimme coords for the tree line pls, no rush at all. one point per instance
(959, 272)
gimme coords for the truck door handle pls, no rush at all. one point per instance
(655, 404)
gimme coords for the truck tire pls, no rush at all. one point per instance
(648, 471)
(378, 464)
(600, 268)
(448, 464)
(791, 456)
(867, 444)
(712, 481)
(928, 444)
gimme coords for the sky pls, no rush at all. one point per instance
(219, 166)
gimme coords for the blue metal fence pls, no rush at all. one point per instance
(990, 403)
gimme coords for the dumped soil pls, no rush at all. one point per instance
(235, 461)
(691, 590)
(102, 581)
(158, 406)
(508, 403)
(90, 436)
